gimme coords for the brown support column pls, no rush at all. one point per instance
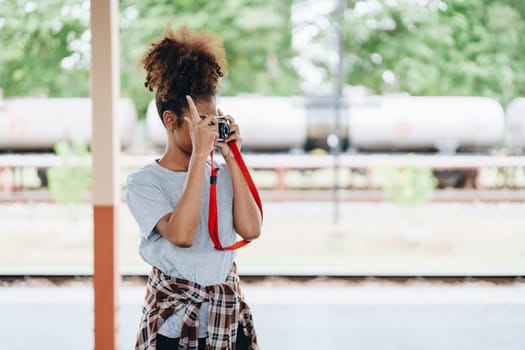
(106, 278)
(105, 148)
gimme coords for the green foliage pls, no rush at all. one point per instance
(409, 185)
(46, 48)
(432, 47)
(70, 181)
(256, 34)
(43, 48)
(451, 47)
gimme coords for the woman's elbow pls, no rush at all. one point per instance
(251, 233)
(254, 235)
(181, 236)
(184, 244)
(181, 241)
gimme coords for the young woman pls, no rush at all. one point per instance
(193, 299)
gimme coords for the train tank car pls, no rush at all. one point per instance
(36, 124)
(398, 123)
(434, 123)
(515, 130)
(266, 123)
(321, 112)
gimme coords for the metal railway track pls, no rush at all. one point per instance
(503, 277)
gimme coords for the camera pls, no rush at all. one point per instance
(223, 127)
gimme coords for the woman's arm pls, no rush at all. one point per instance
(247, 218)
(180, 226)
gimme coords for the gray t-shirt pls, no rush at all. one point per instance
(152, 192)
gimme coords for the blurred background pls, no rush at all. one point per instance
(386, 138)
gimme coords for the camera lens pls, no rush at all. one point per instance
(224, 130)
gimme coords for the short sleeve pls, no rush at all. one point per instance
(147, 203)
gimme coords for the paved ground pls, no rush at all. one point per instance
(298, 237)
(368, 315)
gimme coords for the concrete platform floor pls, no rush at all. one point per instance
(318, 314)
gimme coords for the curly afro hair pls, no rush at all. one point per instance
(184, 62)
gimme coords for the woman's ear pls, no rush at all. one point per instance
(169, 119)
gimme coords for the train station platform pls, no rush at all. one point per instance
(312, 313)
(318, 314)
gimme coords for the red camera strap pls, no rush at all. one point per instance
(213, 223)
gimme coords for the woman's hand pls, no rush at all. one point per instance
(247, 219)
(203, 132)
(234, 136)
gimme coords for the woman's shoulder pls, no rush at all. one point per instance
(143, 176)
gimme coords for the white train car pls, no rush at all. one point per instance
(266, 123)
(443, 123)
(271, 124)
(36, 124)
(515, 130)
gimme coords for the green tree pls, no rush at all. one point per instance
(408, 186)
(70, 181)
(452, 47)
(46, 49)
(256, 34)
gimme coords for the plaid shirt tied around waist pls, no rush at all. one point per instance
(165, 295)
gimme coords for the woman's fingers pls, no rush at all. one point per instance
(193, 110)
(227, 116)
(234, 127)
(234, 137)
(208, 120)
